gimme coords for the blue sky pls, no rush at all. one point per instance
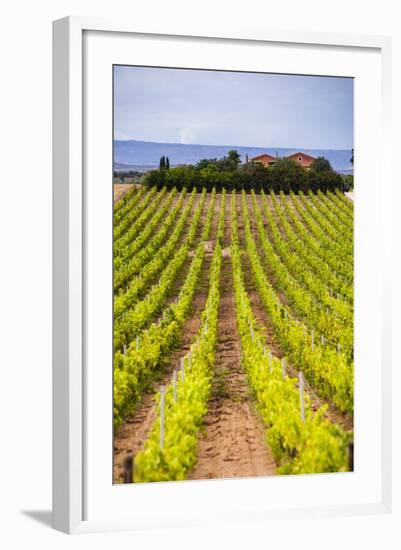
(226, 108)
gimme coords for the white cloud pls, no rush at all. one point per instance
(187, 135)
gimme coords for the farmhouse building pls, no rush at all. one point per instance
(302, 159)
(265, 159)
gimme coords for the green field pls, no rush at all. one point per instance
(233, 334)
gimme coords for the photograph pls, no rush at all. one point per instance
(233, 274)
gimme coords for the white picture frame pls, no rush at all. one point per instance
(70, 251)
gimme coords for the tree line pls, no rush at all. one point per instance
(228, 172)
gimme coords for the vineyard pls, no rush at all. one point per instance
(233, 334)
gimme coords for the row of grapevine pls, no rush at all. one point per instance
(302, 441)
(134, 213)
(330, 200)
(137, 317)
(337, 201)
(142, 261)
(333, 235)
(313, 281)
(344, 202)
(126, 203)
(297, 239)
(123, 252)
(153, 348)
(335, 328)
(124, 200)
(140, 222)
(338, 227)
(330, 263)
(331, 250)
(170, 450)
(328, 370)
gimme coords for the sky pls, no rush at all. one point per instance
(232, 108)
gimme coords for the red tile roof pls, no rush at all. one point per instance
(300, 154)
(264, 156)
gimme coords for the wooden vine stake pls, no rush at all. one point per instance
(323, 341)
(175, 384)
(162, 407)
(351, 456)
(128, 469)
(338, 348)
(301, 395)
(283, 367)
(182, 369)
(137, 343)
(125, 349)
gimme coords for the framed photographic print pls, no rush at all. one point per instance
(220, 323)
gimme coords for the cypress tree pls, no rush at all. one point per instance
(162, 163)
(167, 163)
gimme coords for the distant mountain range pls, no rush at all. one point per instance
(145, 155)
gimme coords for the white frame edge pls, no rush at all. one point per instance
(67, 275)
(68, 344)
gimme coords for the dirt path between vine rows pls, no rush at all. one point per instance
(131, 436)
(233, 440)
